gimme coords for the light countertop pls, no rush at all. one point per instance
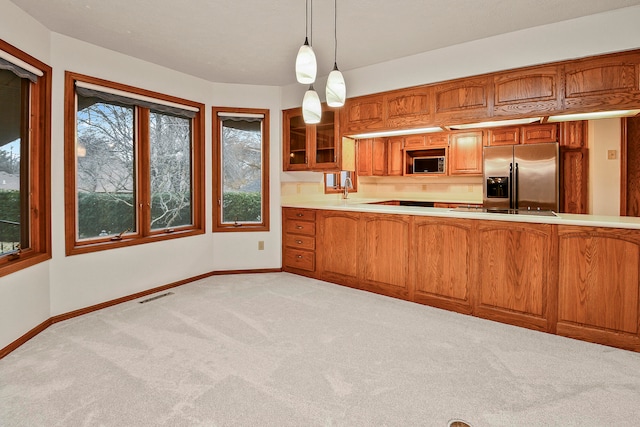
(368, 205)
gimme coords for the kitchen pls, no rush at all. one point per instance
(517, 269)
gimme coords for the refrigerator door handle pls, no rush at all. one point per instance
(515, 191)
(511, 185)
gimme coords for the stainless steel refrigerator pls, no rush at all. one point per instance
(521, 177)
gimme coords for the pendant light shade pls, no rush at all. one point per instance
(311, 108)
(306, 65)
(336, 88)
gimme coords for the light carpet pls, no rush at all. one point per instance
(283, 350)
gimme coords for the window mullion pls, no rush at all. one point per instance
(143, 171)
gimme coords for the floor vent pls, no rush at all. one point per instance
(458, 423)
(156, 297)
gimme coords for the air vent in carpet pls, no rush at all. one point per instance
(458, 423)
(156, 297)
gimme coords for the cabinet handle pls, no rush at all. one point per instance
(299, 242)
(299, 227)
(300, 215)
(299, 256)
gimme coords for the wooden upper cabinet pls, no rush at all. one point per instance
(395, 156)
(371, 157)
(407, 108)
(364, 157)
(363, 114)
(465, 153)
(609, 82)
(537, 134)
(462, 100)
(574, 134)
(508, 135)
(527, 92)
(311, 147)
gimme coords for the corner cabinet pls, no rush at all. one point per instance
(311, 147)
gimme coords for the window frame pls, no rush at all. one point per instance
(339, 188)
(218, 225)
(39, 170)
(144, 233)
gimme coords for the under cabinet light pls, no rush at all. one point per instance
(497, 123)
(593, 116)
(397, 132)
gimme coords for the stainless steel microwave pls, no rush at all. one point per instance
(432, 164)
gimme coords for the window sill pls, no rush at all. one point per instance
(76, 248)
(25, 260)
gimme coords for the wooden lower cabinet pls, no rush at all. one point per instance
(598, 285)
(337, 253)
(575, 281)
(515, 274)
(384, 254)
(441, 262)
(299, 240)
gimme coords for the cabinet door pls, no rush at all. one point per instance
(384, 254)
(509, 135)
(394, 157)
(465, 153)
(538, 134)
(379, 152)
(338, 247)
(598, 285)
(295, 141)
(515, 279)
(442, 256)
(573, 134)
(325, 142)
(362, 114)
(531, 91)
(609, 82)
(574, 180)
(365, 157)
(410, 107)
(463, 99)
(414, 141)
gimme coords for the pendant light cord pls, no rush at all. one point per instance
(311, 25)
(335, 32)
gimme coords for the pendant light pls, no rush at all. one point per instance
(336, 88)
(306, 65)
(311, 108)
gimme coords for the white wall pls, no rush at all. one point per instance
(604, 173)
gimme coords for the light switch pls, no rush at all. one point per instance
(261, 245)
(611, 154)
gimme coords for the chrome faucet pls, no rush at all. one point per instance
(348, 184)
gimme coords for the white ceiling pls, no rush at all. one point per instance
(256, 41)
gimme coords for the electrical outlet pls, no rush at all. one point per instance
(261, 245)
(611, 154)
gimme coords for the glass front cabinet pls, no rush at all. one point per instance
(311, 147)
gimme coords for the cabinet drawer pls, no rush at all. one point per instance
(304, 214)
(300, 227)
(300, 242)
(303, 260)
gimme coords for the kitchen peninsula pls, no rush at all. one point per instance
(572, 275)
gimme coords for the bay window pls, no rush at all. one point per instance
(134, 165)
